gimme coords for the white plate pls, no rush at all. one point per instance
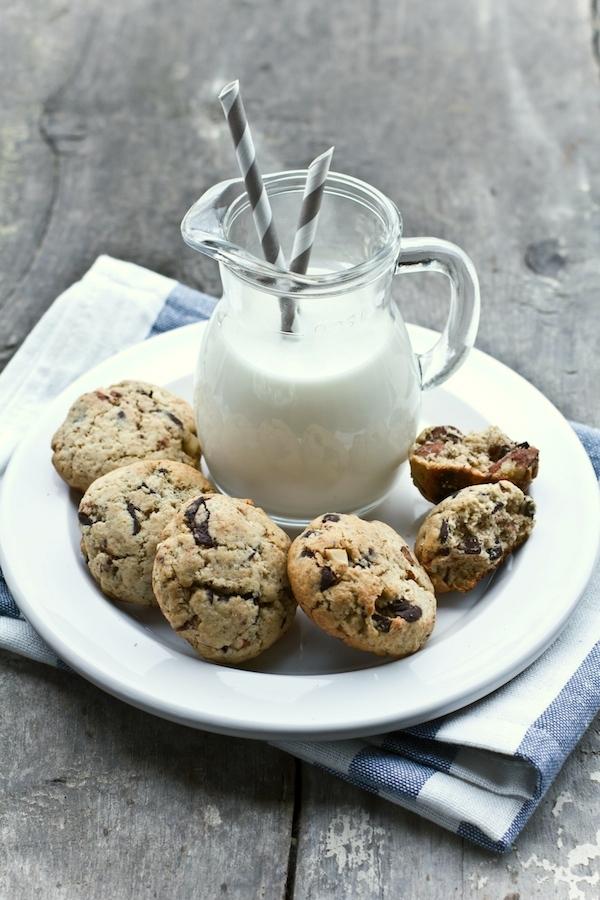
(309, 685)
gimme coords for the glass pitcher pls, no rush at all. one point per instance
(307, 390)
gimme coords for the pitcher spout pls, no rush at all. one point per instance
(203, 226)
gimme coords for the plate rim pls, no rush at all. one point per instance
(311, 730)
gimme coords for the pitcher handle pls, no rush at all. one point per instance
(427, 254)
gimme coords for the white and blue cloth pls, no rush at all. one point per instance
(479, 772)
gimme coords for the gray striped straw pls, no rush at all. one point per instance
(309, 211)
(231, 101)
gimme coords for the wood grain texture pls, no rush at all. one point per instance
(480, 120)
(99, 800)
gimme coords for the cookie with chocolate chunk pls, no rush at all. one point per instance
(444, 460)
(122, 515)
(118, 425)
(467, 536)
(360, 582)
(220, 578)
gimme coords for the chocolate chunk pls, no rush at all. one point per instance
(407, 555)
(330, 517)
(524, 445)
(411, 614)
(84, 519)
(471, 545)
(162, 471)
(147, 488)
(398, 607)
(200, 530)
(498, 507)
(528, 508)
(526, 457)
(445, 432)
(381, 623)
(367, 559)
(497, 451)
(173, 418)
(444, 531)
(431, 448)
(307, 552)
(328, 578)
(132, 510)
(444, 551)
(308, 532)
(494, 552)
(121, 414)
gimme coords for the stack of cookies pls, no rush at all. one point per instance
(155, 533)
(227, 579)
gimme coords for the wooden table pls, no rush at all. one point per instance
(481, 120)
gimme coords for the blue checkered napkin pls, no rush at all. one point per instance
(479, 772)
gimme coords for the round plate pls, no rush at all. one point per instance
(309, 685)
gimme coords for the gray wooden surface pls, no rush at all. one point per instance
(481, 120)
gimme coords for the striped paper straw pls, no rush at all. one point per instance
(309, 211)
(231, 101)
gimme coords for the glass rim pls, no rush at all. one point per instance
(268, 277)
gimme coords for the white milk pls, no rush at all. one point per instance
(308, 424)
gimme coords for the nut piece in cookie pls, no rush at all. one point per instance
(360, 582)
(220, 578)
(118, 425)
(122, 515)
(470, 534)
(444, 460)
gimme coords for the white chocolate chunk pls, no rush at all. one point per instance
(337, 555)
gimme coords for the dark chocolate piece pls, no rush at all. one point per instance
(328, 578)
(173, 418)
(381, 623)
(471, 545)
(132, 510)
(200, 530)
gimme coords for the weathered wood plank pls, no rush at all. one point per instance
(479, 120)
(100, 800)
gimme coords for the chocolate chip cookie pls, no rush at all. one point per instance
(470, 534)
(115, 426)
(444, 460)
(360, 582)
(122, 516)
(220, 578)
